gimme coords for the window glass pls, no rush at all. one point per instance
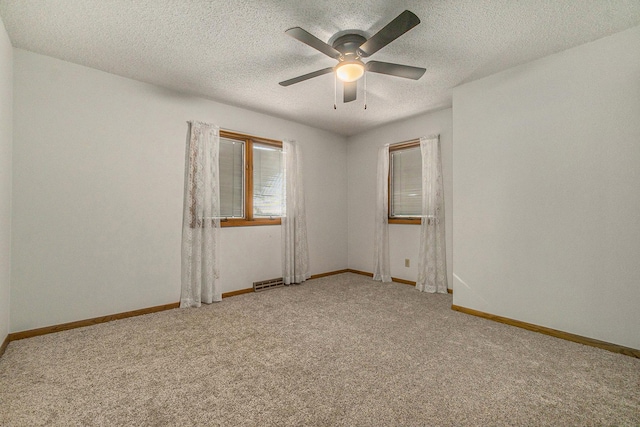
(231, 162)
(268, 180)
(406, 183)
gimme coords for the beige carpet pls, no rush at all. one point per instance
(337, 351)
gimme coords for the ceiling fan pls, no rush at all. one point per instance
(349, 47)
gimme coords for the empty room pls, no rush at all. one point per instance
(319, 213)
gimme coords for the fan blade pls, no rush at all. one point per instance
(311, 40)
(394, 29)
(406, 71)
(306, 76)
(350, 91)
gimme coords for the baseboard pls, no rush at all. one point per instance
(394, 279)
(331, 273)
(4, 345)
(363, 273)
(102, 319)
(238, 292)
(627, 351)
(88, 322)
(249, 290)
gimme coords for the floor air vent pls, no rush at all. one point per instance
(267, 284)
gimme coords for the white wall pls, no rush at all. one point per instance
(98, 187)
(6, 136)
(362, 161)
(546, 203)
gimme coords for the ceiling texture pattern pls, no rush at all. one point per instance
(236, 52)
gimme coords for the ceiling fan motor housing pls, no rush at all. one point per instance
(348, 45)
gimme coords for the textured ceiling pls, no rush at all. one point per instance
(236, 52)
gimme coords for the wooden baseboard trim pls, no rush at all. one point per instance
(363, 273)
(627, 351)
(102, 319)
(394, 279)
(88, 322)
(4, 345)
(238, 292)
(403, 281)
(330, 273)
(249, 290)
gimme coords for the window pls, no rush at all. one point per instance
(251, 180)
(405, 183)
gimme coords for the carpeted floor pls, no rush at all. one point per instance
(337, 351)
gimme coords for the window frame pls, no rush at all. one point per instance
(249, 219)
(392, 219)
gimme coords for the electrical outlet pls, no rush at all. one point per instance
(407, 262)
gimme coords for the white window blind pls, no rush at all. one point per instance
(406, 183)
(231, 159)
(268, 194)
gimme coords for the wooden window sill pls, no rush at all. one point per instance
(250, 223)
(404, 221)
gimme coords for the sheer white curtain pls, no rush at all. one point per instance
(201, 217)
(382, 269)
(432, 265)
(295, 249)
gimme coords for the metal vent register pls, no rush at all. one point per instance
(267, 284)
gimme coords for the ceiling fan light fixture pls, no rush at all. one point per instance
(350, 71)
(349, 46)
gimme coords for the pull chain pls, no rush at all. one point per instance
(365, 90)
(335, 91)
